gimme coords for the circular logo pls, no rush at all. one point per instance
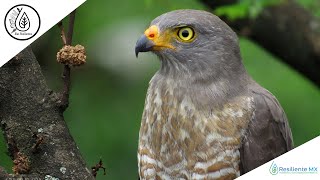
(22, 22)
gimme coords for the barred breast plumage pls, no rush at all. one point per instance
(177, 140)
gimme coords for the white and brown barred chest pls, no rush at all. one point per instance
(179, 141)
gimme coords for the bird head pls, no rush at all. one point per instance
(192, 43)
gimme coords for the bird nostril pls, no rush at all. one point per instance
(151, 32)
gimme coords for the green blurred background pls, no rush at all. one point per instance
(108, 93)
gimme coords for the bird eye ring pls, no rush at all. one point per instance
(186, 34)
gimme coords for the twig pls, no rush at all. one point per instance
(70, 27)
(62, 34)
(66, 75)
(97, 167)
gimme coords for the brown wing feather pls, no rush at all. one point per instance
(268, 135)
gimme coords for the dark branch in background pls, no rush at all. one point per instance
(287, 30)
(27, 105)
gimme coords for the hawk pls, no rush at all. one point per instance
(204, 116)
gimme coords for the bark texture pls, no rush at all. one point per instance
(287, 30)
(30, 112)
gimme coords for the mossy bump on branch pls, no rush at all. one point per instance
(72, 55)
(21, 164)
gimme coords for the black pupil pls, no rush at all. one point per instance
(185, 33)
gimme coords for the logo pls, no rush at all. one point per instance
(273, 168)
(292, 169)
(22, 22)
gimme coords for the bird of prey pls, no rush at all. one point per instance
(204, 116)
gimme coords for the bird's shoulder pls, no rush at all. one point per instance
(268, 134)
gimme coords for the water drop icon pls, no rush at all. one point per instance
(273, 169)
(22, 21)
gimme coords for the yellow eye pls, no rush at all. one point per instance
(186, 34)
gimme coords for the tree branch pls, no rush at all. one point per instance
(287, 30)
(28, 107)
(32, 121)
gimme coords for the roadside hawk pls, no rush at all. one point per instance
(204, 116)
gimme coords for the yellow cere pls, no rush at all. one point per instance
(152, 32)
(160, 40)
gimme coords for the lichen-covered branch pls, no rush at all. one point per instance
(32, 122)
(287, 30)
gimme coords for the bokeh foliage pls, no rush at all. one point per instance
(252, 8)
(106, 104)
(245, 8)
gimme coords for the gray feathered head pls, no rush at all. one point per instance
(193, 44)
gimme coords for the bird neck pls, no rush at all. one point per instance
(205, 91)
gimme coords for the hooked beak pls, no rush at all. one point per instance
(143, 45)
